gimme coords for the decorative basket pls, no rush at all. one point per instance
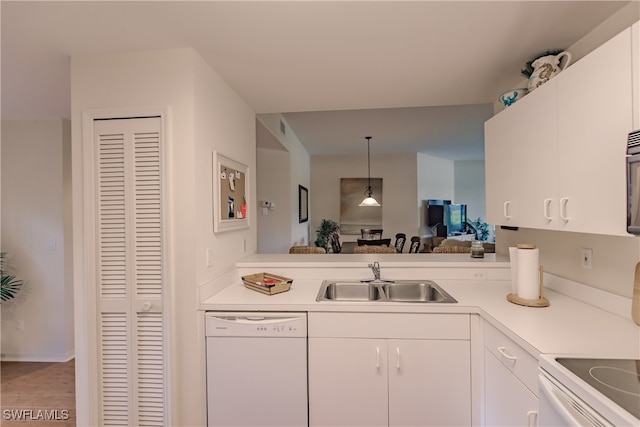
(267, 283)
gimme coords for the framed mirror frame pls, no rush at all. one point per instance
(230, 194)
(303, 204)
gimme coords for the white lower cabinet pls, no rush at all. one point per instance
(429, 383)
(510, 382)
(348, 382)
(388, 381)
(507, 401)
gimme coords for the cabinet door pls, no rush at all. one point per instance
(429, 383)
(536, 161)
(594, 118)
(348, 382)
(499, 152)
(507, 401)
(520, 161)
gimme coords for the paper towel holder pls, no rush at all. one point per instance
(539, 302)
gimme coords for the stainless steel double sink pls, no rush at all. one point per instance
(415, 291)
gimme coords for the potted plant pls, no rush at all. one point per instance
(482, 229)
(9, 285)
(324, 232)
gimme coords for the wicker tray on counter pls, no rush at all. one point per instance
(267, 283)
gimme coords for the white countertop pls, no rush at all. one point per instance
(567, 326)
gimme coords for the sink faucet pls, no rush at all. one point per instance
(375, 267)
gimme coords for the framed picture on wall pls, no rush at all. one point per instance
(303, 204)
(230, 194)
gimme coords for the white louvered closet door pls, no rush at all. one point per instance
(130, 271)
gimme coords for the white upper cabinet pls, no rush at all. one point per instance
(594, 119)
(556, 159)
(520, 160)
(500, 151)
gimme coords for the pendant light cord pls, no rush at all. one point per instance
(369, 192)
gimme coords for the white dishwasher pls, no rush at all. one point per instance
(256, 369)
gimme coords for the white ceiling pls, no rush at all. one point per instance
(309, 56)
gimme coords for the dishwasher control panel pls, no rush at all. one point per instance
(259, 324)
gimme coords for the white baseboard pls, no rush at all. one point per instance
(22, 358)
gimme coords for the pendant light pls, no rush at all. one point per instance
(369, 200)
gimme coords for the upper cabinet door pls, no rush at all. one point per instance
(500, 136)
(520, 161)
(595, 115)
(536, 163)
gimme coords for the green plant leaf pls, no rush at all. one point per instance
(9, 285)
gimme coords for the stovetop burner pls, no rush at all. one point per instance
(617, 379)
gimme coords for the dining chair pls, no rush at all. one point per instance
(415, 245)
(336, 247)
(401, 238)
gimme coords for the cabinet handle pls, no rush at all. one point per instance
(563, 208)
(146, 306)
(398, 358)
(547, 205)
(531, 414)
(506, 209)
(378, 358)
(503, 352)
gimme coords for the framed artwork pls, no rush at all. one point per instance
(352, 216)
(230, 194)
(303, 204)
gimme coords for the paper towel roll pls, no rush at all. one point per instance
(528, 273)
(513, 261)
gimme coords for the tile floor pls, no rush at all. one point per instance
(42, 393)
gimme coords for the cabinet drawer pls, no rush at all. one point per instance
(389, 325)
(512, 356)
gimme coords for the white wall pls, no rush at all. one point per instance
(614, 257)
(37, 237)
(298, 164)
(204, 115)
(274, 178)
(224, 123)
(399, 203)
(469, 187)
(435, 177)
(435, 180)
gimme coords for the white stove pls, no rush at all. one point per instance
(585, 391)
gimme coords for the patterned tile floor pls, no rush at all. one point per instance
(37, 394)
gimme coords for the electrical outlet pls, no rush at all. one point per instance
(587, 259)
(20, 325)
